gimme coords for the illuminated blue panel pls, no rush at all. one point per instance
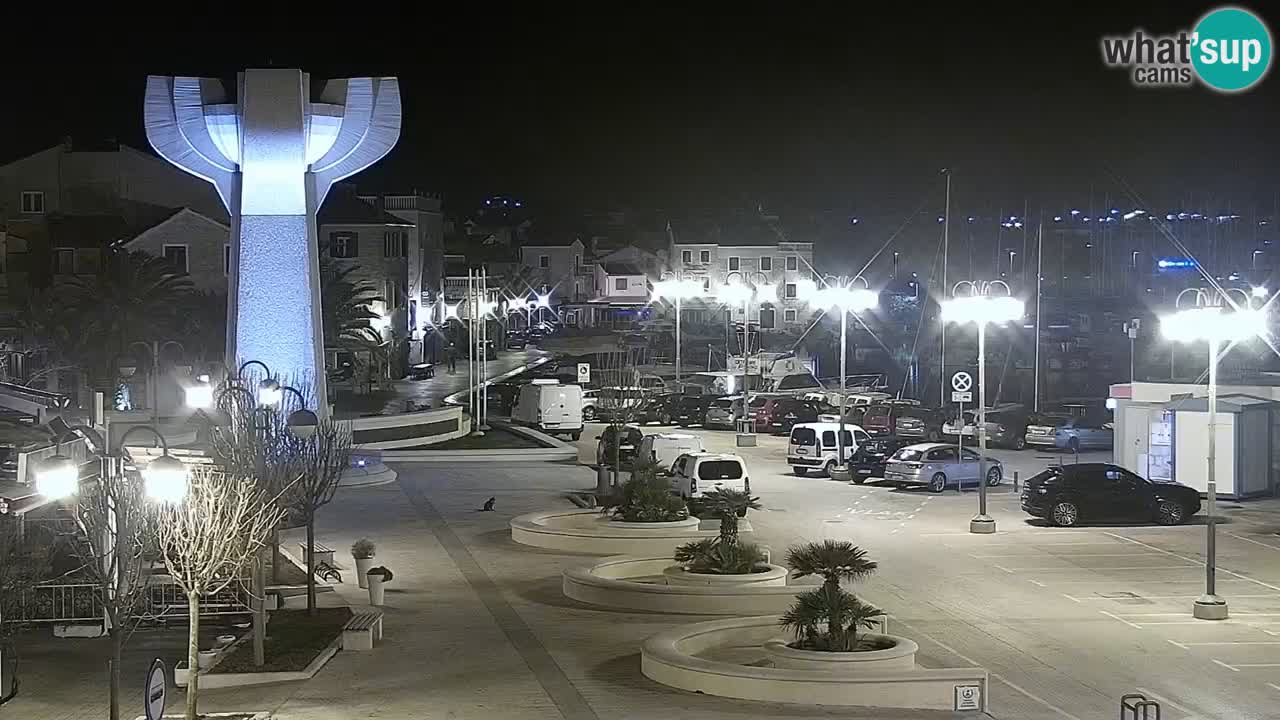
(274, 308)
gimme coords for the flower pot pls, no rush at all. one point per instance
(901, 656)
(206, 658)
(224, 640)
(362, 567)
(677, 575)
(376, 589)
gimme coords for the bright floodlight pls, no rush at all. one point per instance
(846, 298)
(303, 423)
(165, 479)
(516, 304)
(985, 309)
(269, 393)
(199, 396)
(58, 478)
(544, 300)
(451, 311)
(733, 293)
(673, 289)
(1259, 291)
(1211, 323)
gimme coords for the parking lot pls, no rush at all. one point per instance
(1067, 620)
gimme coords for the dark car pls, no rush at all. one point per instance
(871, 457)
(1067, 495)
(692, 409)
(663, 409)
(516, 340)
(786, 413)
(919, 423)
(883, 418)
(626, 439)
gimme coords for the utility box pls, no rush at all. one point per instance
(1245, 430)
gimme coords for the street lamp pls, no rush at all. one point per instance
(673, 286)
(58, 477)
(165, 477)
(987, 302)
(741, 287)
(1207, 318)
(844, 295)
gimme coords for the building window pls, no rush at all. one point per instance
(789, 291)
(734, 264)
(686, 257)
(767, 318)
(704, 256)
(176, 256)
(792, 262)
(394, 291)
(344, 245)
(766, 264)
(226, 259)
(544, 261)
(395, 244)
(32, 202)
(620, 284)
(789, 315)
(706, 284)
(64, 261)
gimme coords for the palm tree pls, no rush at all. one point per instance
(728, 505)
(723, 554)
(204, 325)
(345, 307)
(843, 614)
(136, 298)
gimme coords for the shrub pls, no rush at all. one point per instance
(645, 497)
(363, 549)
(828, 618)
(714, 557)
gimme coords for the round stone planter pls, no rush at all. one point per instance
(624, 526)
(587, 531)
(773, 575)
(902, 656)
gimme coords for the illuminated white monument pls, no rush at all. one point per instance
(273, 156)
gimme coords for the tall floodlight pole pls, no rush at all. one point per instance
(984, 302)
(484, 348)
(741, 287)
(942, 326)
(673, 286)
(844, 296)
(1039, 277)
(1216, 317)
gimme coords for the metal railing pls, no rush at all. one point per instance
(81, 602)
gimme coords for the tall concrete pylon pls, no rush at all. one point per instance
(273, 155)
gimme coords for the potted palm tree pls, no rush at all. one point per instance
(377, 578)
(827, 624)
(646, 498)
(724, 559)
(362, 551)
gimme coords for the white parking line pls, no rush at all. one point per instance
(1135, 626)
(1274, 686)
(1252, 665)
(1170, 703)
(1229, 642)
(1162, 597)
(1078, 568)
(1232, 669)
(1037, 582)
(1183, 557)
(1251, 540)
(1071, 555)
(1175, 643)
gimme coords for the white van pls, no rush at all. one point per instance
(813, 446)
(551, 407)
(665, 448)
(696, 473)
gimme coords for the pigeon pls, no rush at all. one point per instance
(488, 505)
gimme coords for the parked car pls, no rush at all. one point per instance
(871, 457)
(813, 446)
(550, 407)
(1043, 427)
(920, 424)
(760, 409)
(692, 409)
(662, 409)
(937, 466)
(516, 340)
(653, 384)
(724, 413)
(626, 439)
(1068, 495)
(882, 418)
(607, 403)
(1078, 434)
(665, 448)
(1006, 426)
(785, 413)
(696, 473)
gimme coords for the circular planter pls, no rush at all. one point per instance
(206, 658)
(625, 526)
(902, 656)
(587, 531)
(362, 567)
(772, 575)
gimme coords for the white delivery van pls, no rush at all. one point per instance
(664, 448)
(696, 473)
(813, 446)
(551, 407)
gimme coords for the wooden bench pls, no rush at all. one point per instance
(422, 371)
(324, 553)
(362, 631)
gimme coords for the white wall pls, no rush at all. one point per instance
(1191, 451)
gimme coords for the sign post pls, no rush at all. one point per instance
(961, 393)
(584, 373)
(157, 688)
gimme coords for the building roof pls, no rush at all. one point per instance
(344, 207)
(619, 268)
(552, 241)
(733, 230)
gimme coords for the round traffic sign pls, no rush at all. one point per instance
(961, 381)
(156, 689)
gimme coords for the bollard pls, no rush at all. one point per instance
(1015, 481)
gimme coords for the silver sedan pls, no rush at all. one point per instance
(937, 466)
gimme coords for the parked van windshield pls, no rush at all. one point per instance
(803, 436)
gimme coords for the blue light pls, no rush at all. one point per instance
(853, 221)
(1086, 218)
(1170, 216)
(940, 218)
(1175, 263)
(1075, 212)
(1115, 211)
(1057, 218)
(971, 219)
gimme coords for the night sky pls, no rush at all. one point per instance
(821, 109)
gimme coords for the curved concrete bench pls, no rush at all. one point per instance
(613, 583)
(671, 658)
(588, 531)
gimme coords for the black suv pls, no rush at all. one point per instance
(662, 409)
(869, 461)
(692, 409)
(1067, 495)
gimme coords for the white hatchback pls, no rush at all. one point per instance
(696, 473)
